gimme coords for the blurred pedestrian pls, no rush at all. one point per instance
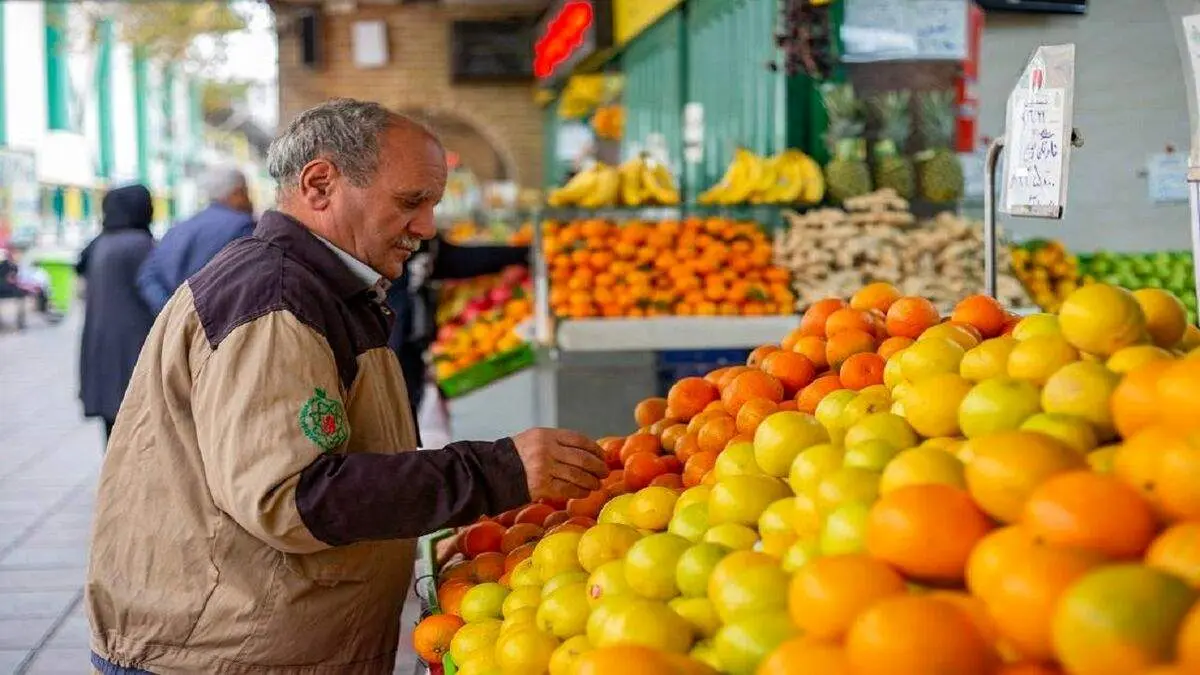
(415, 302)
(116, 318)
(19, 279)
(191, 244)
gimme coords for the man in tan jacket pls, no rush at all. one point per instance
(258, 502)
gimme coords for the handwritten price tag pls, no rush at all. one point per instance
(1034, 167)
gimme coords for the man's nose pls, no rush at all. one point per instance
(424, 225)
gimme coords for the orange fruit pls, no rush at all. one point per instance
(848, 319)
(813, 321)
(1188, 642)
(715, 409)
(994, 554)
(1027, 668)
(640, 442)
(697, 466)
(612, 451)
(671, 436)
(1090, 511)
(812, 395)
(915, 634)
(756, 357)
(878, 295)
(975, 610)
(792, 370)
(715, 433)
(1177, 404)
(516, 555)
(803, 655)
(689, 396)
(450, 595)
(714, 377)
(789, 341)
(1135, 400)
(687, 446)
(1120, 619)
(587, 507)
(1022, 602)
(431, 637)
(482, 537)
(1178, 484)
(649, 411)
(750, 385)
(813, 348)
(983, 312)
(487, 567)
(729, 375)
(752, 413)
(846, 344)
(862, 370)
(927, 531)
(889, 347)
(827, 594)
(1138, 461)
(641, 468)
(518, 535)
(910, 316)
(1007, 466)
(1177, 550)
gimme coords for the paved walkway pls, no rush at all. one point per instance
(49, 459)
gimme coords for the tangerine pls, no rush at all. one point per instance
(862, 370)
(803, 655)
(910, 316)
(518, 535)
(878, 295)
(759, 353)
(688, 397)
(482, 537)
(889, 347)
(811, 396)
(927, 531)
(431, 637)
(750, 385)
(671, 436)
(1177, 550)
(915, 634)
(846, 344)
(516, 555)
(993, 555)
(450, 595)
(794, 371)
(827, 594)
(641, 468)
(752, 413)
(814, 319)
(848, 319)
(1090, 511)
(1008, 466)
(697, 466)
(649, 411)
(640, 442)
(715, 433)
(983, 312)
(1134, 402)
(1179, 481)
(813, 348)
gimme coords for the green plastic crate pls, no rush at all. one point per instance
(488, 371)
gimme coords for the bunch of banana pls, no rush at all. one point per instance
(790, 177)
(645, 182)
(595, 187)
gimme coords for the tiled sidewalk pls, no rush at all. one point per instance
(49, 458)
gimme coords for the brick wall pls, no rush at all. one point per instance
(417, 81)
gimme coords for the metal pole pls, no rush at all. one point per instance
(1194, 203)
(989, 214)
(543, 331)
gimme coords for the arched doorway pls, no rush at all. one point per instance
(484, 156)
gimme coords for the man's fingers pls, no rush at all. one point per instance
(575, 476)
(566, 489)
(582, 460)
(575, 439)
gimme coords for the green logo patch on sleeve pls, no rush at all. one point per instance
(323, 421)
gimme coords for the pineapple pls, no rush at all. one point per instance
(847, 174)
(892, 169)
(938, 169)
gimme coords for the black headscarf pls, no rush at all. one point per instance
(128, 208)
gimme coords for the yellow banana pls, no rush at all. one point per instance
(633, 191)
(658, 184)
(716, 193)
(790, 186)
(580, 185)
(814, 180)
(747, 179)
(766, 182)
(608, 184)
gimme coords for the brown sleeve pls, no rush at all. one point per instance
(266, 474)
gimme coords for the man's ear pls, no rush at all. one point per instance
(318, 179)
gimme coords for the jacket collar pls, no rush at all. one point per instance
(313, 252)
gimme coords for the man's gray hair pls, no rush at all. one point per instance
(220, 182)
(342, 130)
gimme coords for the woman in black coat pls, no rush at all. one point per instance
(117, 320)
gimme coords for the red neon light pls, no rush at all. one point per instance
(564, 34)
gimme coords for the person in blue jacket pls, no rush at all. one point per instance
(189, 246)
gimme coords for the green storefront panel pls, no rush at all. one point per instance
(730, 44)
(551, 172)
(653, 96)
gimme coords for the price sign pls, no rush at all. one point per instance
(1038, 135)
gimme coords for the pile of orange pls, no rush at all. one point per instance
(698, 266)
(1015, 553)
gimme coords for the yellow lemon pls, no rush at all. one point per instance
(1075, 432)
(1100, 319)
(952, 332)
(928, 357)
(1129, 358)
(1035, 324)
(931, 406)
(997, 404)
(1083, 389)
(1036, 359)
(989, 359)
(1166, 317)
(918, 466)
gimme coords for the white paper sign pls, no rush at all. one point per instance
(1166, 178)
(895, 30)
(693, 132)
(940, 27)
(1038, 132)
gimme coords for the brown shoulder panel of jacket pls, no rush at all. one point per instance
(284, 267)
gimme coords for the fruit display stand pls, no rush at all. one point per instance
(425, 583)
